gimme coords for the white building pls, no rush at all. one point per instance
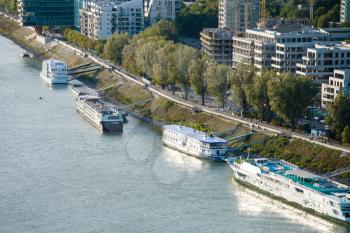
(101, 19)
(239, 14)
(155, 10)
(280, 48)
(340, 81)
(345, 11)
(321, 61)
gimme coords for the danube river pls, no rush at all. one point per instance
(59, 174)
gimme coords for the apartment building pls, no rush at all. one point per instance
(46, 12)
(155, 10)
(217, 44)
(281, 47)
(345, 11)
(340, 81)
(321, 61)
(101, 19)
(239, 14)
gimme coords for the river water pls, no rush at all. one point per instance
(59, 174)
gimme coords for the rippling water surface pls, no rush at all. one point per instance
(58, 174)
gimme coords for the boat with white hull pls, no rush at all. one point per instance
(54, 71)
(288, 181)
(99, 113)
(194, 142)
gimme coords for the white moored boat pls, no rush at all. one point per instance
(288, 181)
(54, 71)
(102, 115)
(194, 142)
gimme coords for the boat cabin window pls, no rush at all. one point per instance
(299, 190)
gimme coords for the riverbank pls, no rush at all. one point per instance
(164, 111)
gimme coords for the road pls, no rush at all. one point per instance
(259, 126)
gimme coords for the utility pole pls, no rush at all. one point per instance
(312, 10)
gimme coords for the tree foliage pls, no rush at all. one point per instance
(339, 114)
(258, 96)
(193, 18)
(290, 95)
(9, 6)
(185, 55)
(197, 76)
(346, 134)
(242, 78)
(78, 39)
(113, 49)
(218, 77)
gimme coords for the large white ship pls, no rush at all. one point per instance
(102, 115)
(54, 71)
(194, 142)
(288, 181)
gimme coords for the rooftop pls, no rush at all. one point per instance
(192, 133)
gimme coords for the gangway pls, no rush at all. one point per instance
(84, 70)
(338, 172)
(140, 102)
(80, 66)
(240, 137)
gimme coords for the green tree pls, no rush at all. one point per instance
(113, 49)
(193, 18)
(290, 95)
(218, 77)
(185, 55)
(197, 76)
(166, 60)
(338, 114)
(99, 47)
(242, 78)
(346, 134)
(163, 28)
(257, 95)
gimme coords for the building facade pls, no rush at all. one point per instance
(155, 10)
(38, 13)
(339, 82)
(281, 48)
(78, 4)
(345, 11)
(238, 15)
(217, 44)
(321, 61)
(100, 20)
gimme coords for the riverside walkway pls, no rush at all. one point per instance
(258, 126)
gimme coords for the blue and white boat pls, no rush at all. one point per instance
(54, 71)
(194, 142)
(288, 181)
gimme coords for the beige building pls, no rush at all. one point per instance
(238, 14)
(217, 44)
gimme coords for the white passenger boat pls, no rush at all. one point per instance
(54, 71)
(99, 113)
(288, 181)
(194, 142)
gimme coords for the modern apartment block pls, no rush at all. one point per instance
(239, 14)
(340, 81)
(155, 10)
(280, 48)
(217, 44)
(345, 11)
(78, 4)
(38, 13)
(100, 20)
(321, 61)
